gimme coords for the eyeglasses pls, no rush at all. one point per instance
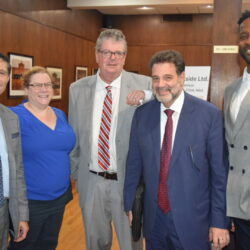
(108, 53)
(3, 73)
(38, 85)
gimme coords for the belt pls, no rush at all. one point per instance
(105, 175)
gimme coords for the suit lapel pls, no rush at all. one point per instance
(241, 117)
(229, 123)
(126, 88)
(7, 132)
(184, 125)
(156, 132)
(88, 104)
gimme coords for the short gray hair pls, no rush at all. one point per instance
(114, 34)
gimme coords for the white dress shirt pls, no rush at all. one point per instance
(5, 161)
(176, 107)
(239, 95)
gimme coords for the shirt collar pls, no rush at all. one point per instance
(246, 76)
(102, 84)
(177, 105)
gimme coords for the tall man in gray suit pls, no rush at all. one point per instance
(237, 124)
(101, 118)
(12, 188)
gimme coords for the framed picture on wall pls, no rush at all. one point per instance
(81, 72)
(19, 64)
(56, 74)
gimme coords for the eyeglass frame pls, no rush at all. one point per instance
(107, 53)
(38, 85)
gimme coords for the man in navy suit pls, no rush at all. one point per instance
(197, 175)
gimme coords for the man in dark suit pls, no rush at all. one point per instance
(185, 178)
(237, 124)
(13, 200)
(101, 118)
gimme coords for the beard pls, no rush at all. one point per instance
(244, 55)
(169, 98)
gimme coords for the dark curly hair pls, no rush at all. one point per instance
(244, 16)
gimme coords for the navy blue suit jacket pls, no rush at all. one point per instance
(198, 172)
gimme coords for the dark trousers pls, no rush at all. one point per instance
(242, 234)
(45, 220)
(164, 236)
(45, 223)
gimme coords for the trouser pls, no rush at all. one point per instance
(242, 234)
(4, 225)
(44, 226)
(163, 236)
(102, 207)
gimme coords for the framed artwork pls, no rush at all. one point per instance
(56, 74)
(19, 64)
(81, 72)
(94, 71)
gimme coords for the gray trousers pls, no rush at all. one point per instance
(4, 226)
(104, 206)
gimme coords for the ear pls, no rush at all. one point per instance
(96, 57)
(25, 91)
(182, 77)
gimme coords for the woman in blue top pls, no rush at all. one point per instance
(47, 140)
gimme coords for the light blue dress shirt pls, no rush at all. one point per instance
(5, 161)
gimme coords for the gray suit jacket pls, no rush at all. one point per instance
(238, 139)
(81, 99)
(18, 205)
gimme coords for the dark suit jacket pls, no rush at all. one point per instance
(18, 205)
(198, 171)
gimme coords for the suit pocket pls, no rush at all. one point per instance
(15, 135)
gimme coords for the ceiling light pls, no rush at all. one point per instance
(209, 6)
(145, 8)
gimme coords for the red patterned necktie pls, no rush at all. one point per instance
(163, 199)
(103, 140)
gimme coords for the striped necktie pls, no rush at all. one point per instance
(103, 140)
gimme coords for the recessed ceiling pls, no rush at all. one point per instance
(148, 7)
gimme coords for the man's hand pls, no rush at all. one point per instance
(22, 231)
(219, 237)
(130, 217)
(135, 98)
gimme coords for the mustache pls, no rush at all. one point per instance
(245, 48)
(165, 88)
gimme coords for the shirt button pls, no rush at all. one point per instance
(243, 171)
(231, 145)
(231, 167)
(245, 147)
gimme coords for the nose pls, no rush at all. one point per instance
(162, 82)
(112, 55)
(43, 88)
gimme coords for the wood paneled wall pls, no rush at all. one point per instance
(52, 43)
(57, 36)
(148, 34)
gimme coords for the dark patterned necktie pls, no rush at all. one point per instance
(103, 140)
(163, 199)
(1, 184)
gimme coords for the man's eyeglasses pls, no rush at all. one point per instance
(38, 85)
(3, 73)
(108, 53)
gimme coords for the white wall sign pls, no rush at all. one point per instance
(197, 81)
